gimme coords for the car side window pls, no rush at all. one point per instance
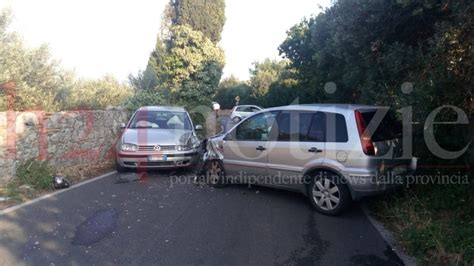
(336, 128)
(294, 126)
(317, 128)
(256, 128)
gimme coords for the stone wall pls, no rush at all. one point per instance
(64, 139)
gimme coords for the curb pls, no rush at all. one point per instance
(388, 237)
(33, 201)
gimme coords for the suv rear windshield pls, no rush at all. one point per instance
(389, 128)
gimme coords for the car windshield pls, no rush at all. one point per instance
(161, 120)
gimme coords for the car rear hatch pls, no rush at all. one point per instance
(381, 134)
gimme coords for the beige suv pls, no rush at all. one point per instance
(332, 153)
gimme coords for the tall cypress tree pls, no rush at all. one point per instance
(206, 16)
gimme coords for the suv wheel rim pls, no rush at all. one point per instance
(326, 194)
(214, 172)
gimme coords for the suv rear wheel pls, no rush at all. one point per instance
(328, 194)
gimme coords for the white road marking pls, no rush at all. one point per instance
(24, 204)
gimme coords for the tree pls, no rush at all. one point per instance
(37, 76)
(98, 93)
(188, 67)
(231, 87)
(42, 84)
(206, 16)
(264, 74)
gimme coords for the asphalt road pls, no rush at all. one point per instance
(157, 221)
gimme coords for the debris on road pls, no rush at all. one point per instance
(60, 182)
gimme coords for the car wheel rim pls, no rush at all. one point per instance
(214, 172)
(326, 194)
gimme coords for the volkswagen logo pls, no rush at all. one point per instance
(157, 148)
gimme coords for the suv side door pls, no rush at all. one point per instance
(299, 140)
(245, 147)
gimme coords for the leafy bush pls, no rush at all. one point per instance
(143, 98)
(36, 174)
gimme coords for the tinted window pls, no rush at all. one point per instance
(293, 126)
(336, 128)
(256, 128)
(317, 128)
(389, 128)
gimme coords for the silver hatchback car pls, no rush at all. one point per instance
(240, 112)
(158, 137)
(332, 153)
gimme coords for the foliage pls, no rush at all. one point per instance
(369, 48)
(434, 222)
(206, 16)
(400, 53)
(37, 76)
(264, 74)
(188, 67)
(42, 84)
(36, 174)
(144, 80)
(98, 94)
(143, 98)
(231, 87)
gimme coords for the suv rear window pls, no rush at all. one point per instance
(389, 128)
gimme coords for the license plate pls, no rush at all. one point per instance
(154, 158)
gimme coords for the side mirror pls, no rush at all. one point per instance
(198, 127)
(123, 126)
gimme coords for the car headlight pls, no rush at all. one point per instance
(129, 147)
(194, 142)
(183, 148)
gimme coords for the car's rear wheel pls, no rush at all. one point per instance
(328, 194)
(215, 174)
(236, 119)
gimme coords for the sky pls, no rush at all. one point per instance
(98, 37)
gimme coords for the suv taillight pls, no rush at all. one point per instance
(365, 140)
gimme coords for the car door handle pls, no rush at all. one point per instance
(260, 148)
(315, 150)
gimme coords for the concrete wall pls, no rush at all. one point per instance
(64, 138)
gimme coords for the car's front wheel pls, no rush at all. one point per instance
(236, 119)
(328, 194)
(215, 174)
(120, 169)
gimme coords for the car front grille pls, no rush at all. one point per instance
(152, 148)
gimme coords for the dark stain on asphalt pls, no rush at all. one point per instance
(313, 248)
(101, 224)
(392, 259)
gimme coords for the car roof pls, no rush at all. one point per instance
(326, 107)
(248, 105)
(162, 108)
